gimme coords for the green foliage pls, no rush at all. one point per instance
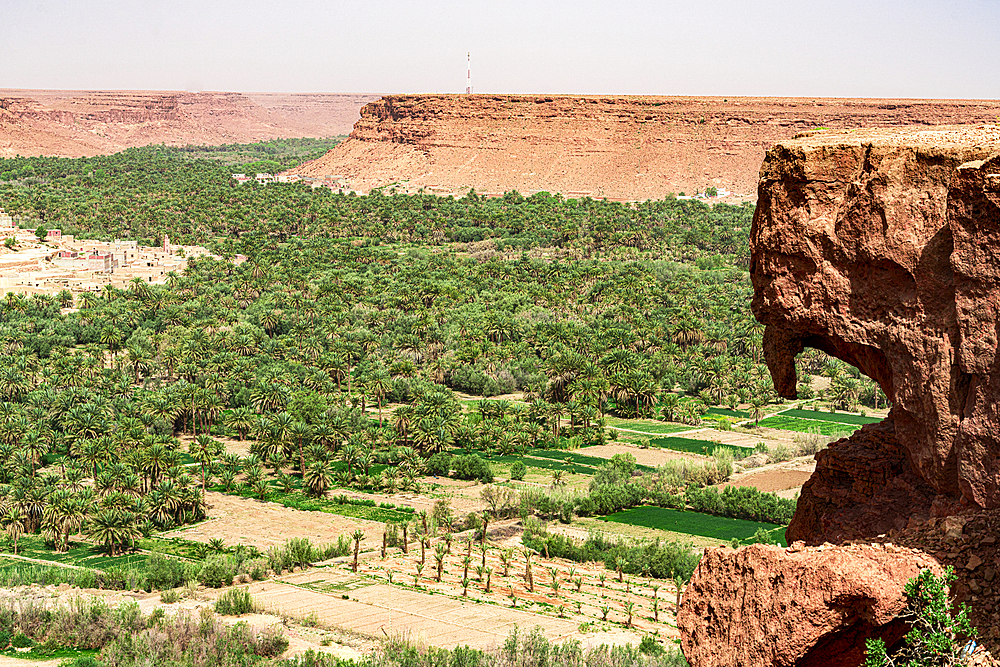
(741, 502)
(518, 470)
(235, 602)
(832, 428)
(936, 638)
(692, 523)
(656, 558)
(472, 467)
(163, 572)
(218, 571)
(838, 417)
(439, 465)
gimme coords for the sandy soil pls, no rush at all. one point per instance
(787, 475)
(262, 524)
(439, 614)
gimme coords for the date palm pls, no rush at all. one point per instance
(357, 536)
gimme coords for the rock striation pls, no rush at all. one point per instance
(880, 247)
(767, 606)
(616, 147)
(85, 123)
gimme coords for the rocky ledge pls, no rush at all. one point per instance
(880, 247)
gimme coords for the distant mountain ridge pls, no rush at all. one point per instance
(85, 123)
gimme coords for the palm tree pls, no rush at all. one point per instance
(204, 450)
(528, 553)
(317, 478)
(439, 554)
(357, 536)
(14, 525)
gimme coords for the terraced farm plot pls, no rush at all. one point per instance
(81, 554)
(690, 523)
(695, 446)
(839, 417)
(786, 423)
(725, 412)
(646, 425)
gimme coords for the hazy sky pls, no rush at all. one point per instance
(845, 48)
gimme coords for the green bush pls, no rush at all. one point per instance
(235, 602)
(518, 470)
(470, 466)
(741, 502)
(164, 572)
(218, 571)
(438, 465)
(935, 637)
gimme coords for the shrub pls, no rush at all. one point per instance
(170, 596)
(256, 568)
(235, 602)
(518, 470)
(218, 571)
(164, 572)
(438, 465)
(935, 638)
(471, 466)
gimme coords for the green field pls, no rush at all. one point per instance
(697, 446)
(81, 554)
(838, 417)
(785, 423)
(725, 412)
(646, 426)
(692, 523)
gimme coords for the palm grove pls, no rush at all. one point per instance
(345, 306)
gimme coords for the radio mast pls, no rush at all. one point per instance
(468, 82)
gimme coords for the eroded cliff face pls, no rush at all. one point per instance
(618, 147)
(84, 123)
(883, 249)
(880, 248)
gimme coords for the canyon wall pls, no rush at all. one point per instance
(85, 123)
(617, 147)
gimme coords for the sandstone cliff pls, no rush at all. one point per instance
(84, 123)
(881, 248)
(878, 247)
(615, 147)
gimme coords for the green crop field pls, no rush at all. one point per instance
(725, 412)
(697, 446)
(646, 426)
(691, 523)
(838, 417)
(81, 554)
(785, 423)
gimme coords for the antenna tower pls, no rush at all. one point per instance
(468, 81)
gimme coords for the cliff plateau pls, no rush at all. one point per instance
(618, 147)
(86, 123)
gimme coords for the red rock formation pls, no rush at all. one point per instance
(879, 247)
(81, 123)
(771, 607)
(602, 146)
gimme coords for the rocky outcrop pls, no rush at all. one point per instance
(614, 147)
(880, 248)
(83, 123)
(767, 606)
